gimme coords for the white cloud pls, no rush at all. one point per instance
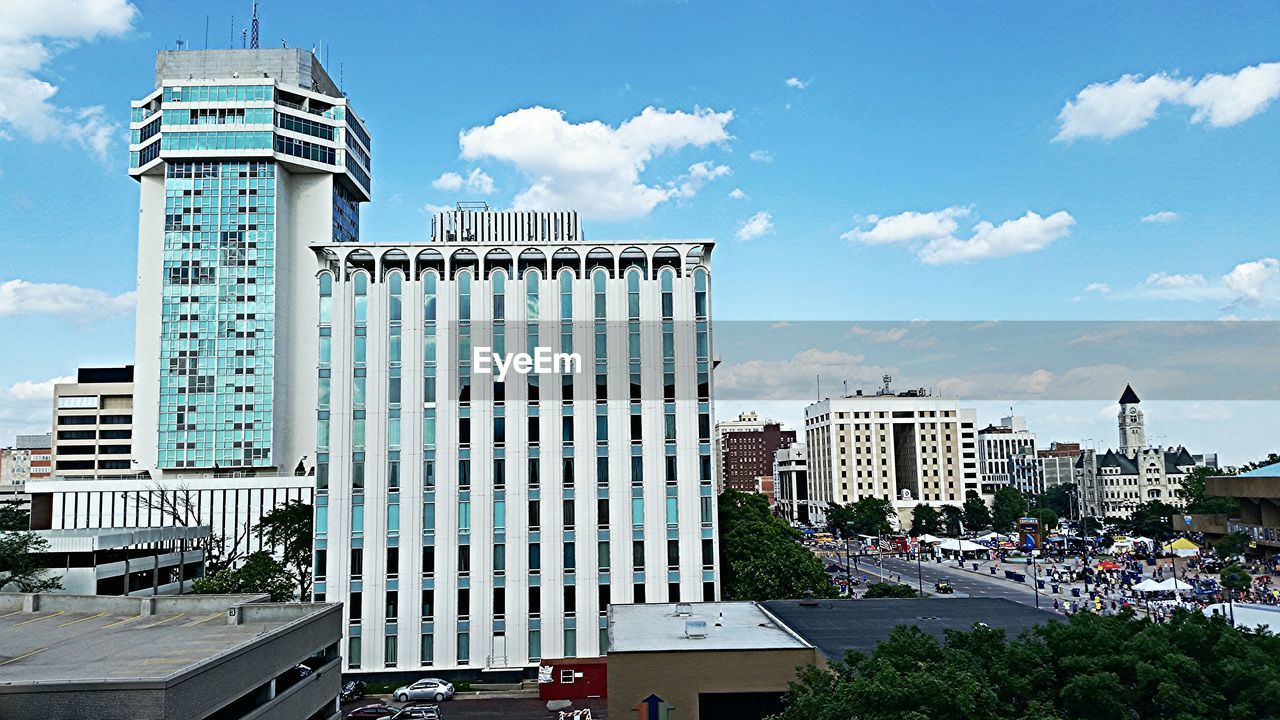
(1164, 216)
(909, 226)
(477, 181)
(699, 174)
(938, 228)
(31, 31)
(1098, 287)
(448, 181)
(1035, 383)
(591, 166)
(761, 156)
(1029, 233)
(20, 297)
(797, 84)
(753, 227)
(737, 194)
(794, 378)
(888, 335)
(1254, 282)
(1108, 110)
(36, 390)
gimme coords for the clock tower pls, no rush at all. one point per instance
(1133, 437)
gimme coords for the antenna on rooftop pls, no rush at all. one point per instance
(253, 40)
(243, 35)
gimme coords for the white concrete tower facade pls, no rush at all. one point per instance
(469, 522)
(244, 158)
(1133, 435)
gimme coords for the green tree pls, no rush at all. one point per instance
(871, 516)
(260, 573)
(13, 516)
(1153, 519)
(761, 557)
(20, 563)
(1048, 518)
(1006, 507)
(952, 518)
(889, 590)
(1196, 500)
(1090, 668)
(925, 519)
(1059, 498)
(289, 527)
(977, 516)
(1236, 579)
(1232, 544)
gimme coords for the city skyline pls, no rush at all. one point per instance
(1138, 194)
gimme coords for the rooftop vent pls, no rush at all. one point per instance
(695, 629)
(684, 609)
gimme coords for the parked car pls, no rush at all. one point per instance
(372, 711)
(418, 712)
(425, 689)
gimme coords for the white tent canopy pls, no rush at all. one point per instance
(992, 536)
(954, 545)
(1149, 585)
(929, 539)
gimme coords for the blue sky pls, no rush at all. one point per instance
(894, 162)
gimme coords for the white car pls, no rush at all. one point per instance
(425, 689)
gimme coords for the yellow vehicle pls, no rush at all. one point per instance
(824, 538)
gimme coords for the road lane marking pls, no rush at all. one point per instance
(134, 618)
(73, 622)
(20, 657)
(162, 622)
(44, 617)
(202, 621)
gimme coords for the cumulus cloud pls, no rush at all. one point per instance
(20, 297)
(699, 174)
(591, 166)
(1098, 287)
(737, 194)
(761, 156)
(1164, 216)
(887, 335)
(27, 406)
(31, 31)
(909, 226)
(477, 181)
(937, 230)
(755, 226)
(36, 390)
(1109, 110)
(797, 84)
(792, 378)
(1252, 283)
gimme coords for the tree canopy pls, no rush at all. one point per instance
(1006, 507)
(1048, 518)
(20, 562)
(1059, 498)
(1232, 544)
(288, 527)
(889, 590)
(868, 516)
(925, 519)
(260, 573)
(977, 515)
(1090, 668)
(760, 556)
(1195, 499)
(1153, 519)
(13, 516)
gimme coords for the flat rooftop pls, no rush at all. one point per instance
(90, 638)
(658, 628)
(835, 627)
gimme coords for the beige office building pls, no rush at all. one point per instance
(93, 424)
(907, 447)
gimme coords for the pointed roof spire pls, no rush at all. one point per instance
(1129, 397)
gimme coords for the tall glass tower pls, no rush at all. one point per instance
(246, 158)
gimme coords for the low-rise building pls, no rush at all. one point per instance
(791, 483)
(93, 424)
(188, 657)
(125, 561)
(736, 659)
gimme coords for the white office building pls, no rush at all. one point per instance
(791, 485)
(1007, 457)
(470, 520)
(909, 448)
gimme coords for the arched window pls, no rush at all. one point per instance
(429, 295)
(395, 296)
(464, 295)
(326, 298)
(566, 294)
(531, 280)
(599, 280)
(700, 281)
(499, 283)
(360, 287)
